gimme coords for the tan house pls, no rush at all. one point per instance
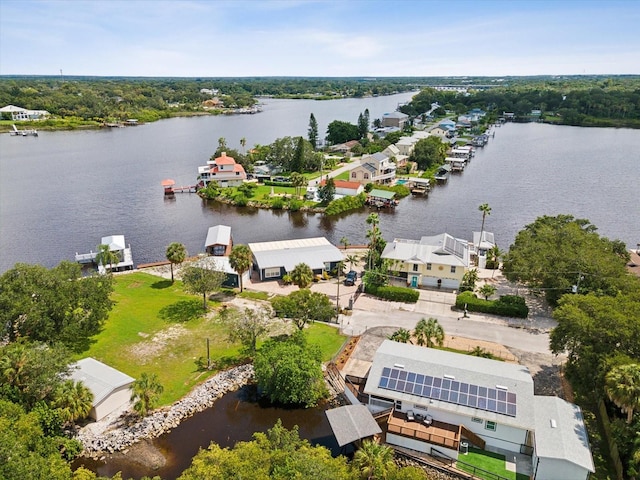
(395, 119)
(438, 261)
(223, 170)
(376, 168)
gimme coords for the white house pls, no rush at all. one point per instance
(406, 144)
(19, 113)
(272, 260)
(218, 242)
(111, 388)
(441, 399)
(345, 188)
(223, 170)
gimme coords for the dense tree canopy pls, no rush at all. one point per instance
(555, 254)
(54, 305)
(289, 371)
(341, 132)
(428, 152)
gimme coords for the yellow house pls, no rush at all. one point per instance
(438, 261)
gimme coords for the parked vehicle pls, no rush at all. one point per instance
(350, 279)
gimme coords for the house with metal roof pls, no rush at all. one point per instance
(110, 387)
(272, 260)
(218, 241)
(440, 402)
(19, 114)
(433, 261)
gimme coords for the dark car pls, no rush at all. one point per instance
(350, 279)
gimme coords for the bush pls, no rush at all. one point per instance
(396, 294)
(278, 203)
(271, 183)
(295, 204)
(240, 200)
(345, 203)
(506, 305)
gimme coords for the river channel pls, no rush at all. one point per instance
(62, 191)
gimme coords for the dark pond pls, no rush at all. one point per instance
(233, 418)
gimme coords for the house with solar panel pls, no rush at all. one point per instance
(441, 402)
(272, 260)
(438, 261)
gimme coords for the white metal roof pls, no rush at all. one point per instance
(560, 432)
(288, 253)
(100, 378)
(440, 249)
(115, 242)
(464, 368)
(221, 264)
(218, 235)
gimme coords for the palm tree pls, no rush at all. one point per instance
(374, 461)
(353, 260)
(429, 333)
(240, 260)
(176, 253)
(298, 181)
(374, 220)
(145, 391)
(622, 385)
(494, 255)
(487, 290)
(243, 143)
(345, 242)
(74, 400)
(106, 257)
(486, 210)
(401, 335)
(302, 275)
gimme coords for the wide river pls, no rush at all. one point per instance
(62, 191)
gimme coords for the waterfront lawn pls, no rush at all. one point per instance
(155, 327)
(487, 461)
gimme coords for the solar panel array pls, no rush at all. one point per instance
(449, 390)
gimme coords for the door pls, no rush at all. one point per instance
(414, 282)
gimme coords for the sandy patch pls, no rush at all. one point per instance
(146, 350)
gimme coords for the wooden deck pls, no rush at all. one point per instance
(438, 433)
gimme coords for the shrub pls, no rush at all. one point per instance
(240, 200)
(345, 203)
(295, 204)
(278, 203)
(506, 305)
(396, 294)
(271, 183)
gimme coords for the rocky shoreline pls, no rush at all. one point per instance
(124, 432)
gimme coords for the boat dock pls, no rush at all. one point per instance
(22, 133)
(419, 186)
(116, 245)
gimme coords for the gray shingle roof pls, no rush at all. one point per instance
(465, 368)
(560, 432)
(351, 423)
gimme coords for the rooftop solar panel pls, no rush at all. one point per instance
(450, 391)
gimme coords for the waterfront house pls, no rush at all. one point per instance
(111, 388)
(433, 261)
(18, 114)
(218, 242)
(345, 188)
(375, 168)
(272, 260)
(116, 245)
(395, 119)
(481, 246)
(224, 170)
(393, 152)
(221, 264)
(442, 402)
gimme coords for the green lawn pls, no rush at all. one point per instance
(489, 462)
(155, 327)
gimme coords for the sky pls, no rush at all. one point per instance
(356, 38)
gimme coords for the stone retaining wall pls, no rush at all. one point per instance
(123, 433)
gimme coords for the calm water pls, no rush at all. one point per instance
(61, 192)
(233, 419)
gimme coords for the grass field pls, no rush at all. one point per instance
(157, 328)
(489, 462)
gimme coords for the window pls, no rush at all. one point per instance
(415, 267)
(353, 175)
(272, 272)
(489, 425)
(476, 420)
(366, 176)
(428, 266)
(453, 269)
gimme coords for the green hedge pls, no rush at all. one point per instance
(396, 294)
(506, 305)
(270, 183)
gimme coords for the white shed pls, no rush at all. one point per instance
(111, 388)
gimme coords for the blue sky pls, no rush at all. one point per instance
(319, 38)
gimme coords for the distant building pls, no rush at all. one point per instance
(223, 170)
(395, 119)
(21, 114)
